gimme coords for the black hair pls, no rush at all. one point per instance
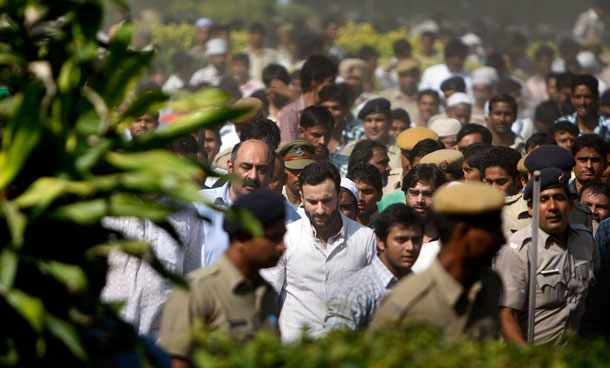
(363, 152)
(424, 147)
(402, 47)
(256, 27)
(547, 112)
(564, 126)
(309, 44)
(455, 47)
(539, 139)
(508, 86)
(261, 94)
(329, 20)
(564, 80)
(445, 224)
(592, 141)
(475, 153)
(402, 115)
(589, 81)
(349, 92)
(185, 145)
(366, 52)
(595, 187)
(470, 128)
(275, 71)
(334, 93)
(317, 172)
(551, 75)
(244, 58)
(180, 59)
(428, 173)
(316, 115)
(397, 214)
(367, 174)
(317, 68)
(429, 92)
(262, 129)
(544, 50)
(504, 157)
(504, 98)
(428, 34)
(454, 84)
(605, 99)
(496, 61)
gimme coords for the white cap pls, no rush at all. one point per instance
(459, 98)
(351, 187)
(587, 60)
(216, 46)
(470, 39)
(203, 22)
(445, 127)
(485, 75)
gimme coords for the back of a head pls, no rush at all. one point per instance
(539, 139)
(334, 93)
(425, 173)
(266, 206)
(425, 147)
(275, 71)
(262, 129)
(318, 172)
(397, 214)
(316, 115)
(317, 68)
(363, 152)
(470, 128)
(504, 157)
(368, 174)
(592, 141)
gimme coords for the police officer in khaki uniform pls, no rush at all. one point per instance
(565, 266)
(297, 155)
(448, 160)
(458, 292)
(515, 214)
(230, 295)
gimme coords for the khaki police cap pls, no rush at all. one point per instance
(297, 154)
(252, 104)
(406, 65)
(410, 137)
(445, 159)
(521, 165)
(467, 198)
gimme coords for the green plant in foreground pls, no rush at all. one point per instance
(64, 166)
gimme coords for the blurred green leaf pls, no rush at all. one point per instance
(92, 156)
(83, 212)
(147, 101)
(70, 275)
(67, 334)
(16, 221)
(248, 221)
(133, 247)
(47, 189)
(69, 76)
(8, 267)
(158, 162)
(30, 308)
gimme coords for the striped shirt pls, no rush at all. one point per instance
(602, 129)
(290, 118)
(353, 305)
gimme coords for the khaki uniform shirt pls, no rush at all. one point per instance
(563, 277)
(398, 100)
(515, 216)
(219, 297)
(394, 181)
(433, 296)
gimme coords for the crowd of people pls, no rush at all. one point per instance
(387, 195)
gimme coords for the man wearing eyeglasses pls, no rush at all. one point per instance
(419, 185)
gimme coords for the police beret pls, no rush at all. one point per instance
(549, 156)
(445, 159)
(410, 137)
(407, 65)
(265, 205)
(550, 177)
(376, 106)
(297, 154)
(467, 198)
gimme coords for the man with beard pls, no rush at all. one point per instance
(458, 293)
(252, 162)
(419, 186)
(564, 269)
(585, 99)
(323, 249)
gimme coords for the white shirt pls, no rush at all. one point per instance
(427, 254)
(172, 84)
(308, 274)
(208, 75)
(228, 137)
(435, 75)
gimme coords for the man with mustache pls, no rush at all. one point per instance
(502, 115)
(419, 186)
(324, 248)
(252, 163)
(590, 153)
(564, 270)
